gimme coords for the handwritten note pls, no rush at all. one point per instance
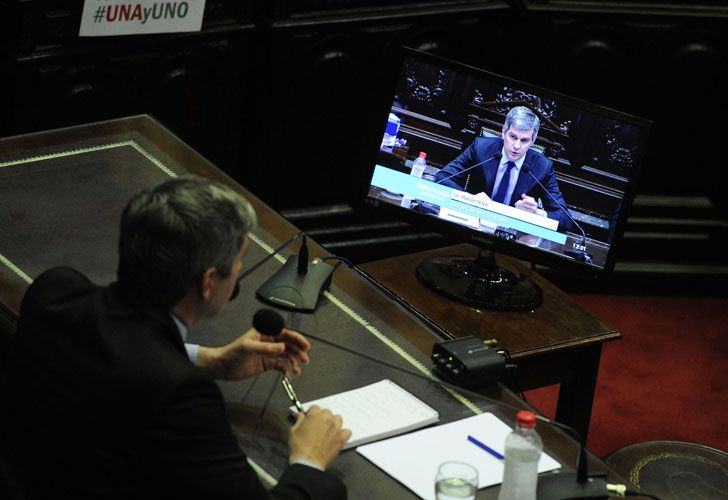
(377, 411)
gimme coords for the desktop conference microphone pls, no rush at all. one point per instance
(297, 285)
(553, 486)
(579, 253)
(497, 155)
(262, 261)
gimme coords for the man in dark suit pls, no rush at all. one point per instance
(498, 168)
(102, 400)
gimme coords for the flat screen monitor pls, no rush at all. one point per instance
(511, 167)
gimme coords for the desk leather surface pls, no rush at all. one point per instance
(62, 205)
(61, 195)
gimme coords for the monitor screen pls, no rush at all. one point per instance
(511, 167)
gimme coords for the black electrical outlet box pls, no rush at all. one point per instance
(468, 362)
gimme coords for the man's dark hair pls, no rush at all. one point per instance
(172, 233)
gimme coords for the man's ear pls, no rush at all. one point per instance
(207, 282)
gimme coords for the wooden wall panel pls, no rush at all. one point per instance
(322, 85)
(196, 84)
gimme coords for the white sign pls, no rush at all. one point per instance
(133, 17)
(459, 217)
(483, 201)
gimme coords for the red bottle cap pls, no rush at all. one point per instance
(526, 419)
(423, 154)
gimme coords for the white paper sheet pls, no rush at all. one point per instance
(412, 459)
(377, 411)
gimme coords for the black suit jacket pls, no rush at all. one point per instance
(482, 178)
(101, 401)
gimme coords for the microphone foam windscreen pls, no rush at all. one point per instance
(268, 322)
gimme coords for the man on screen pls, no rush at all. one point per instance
(499, 168)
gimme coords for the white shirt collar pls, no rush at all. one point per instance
(505, 159)
(180, 326)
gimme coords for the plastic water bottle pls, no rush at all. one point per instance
(522, 451)
(418, 168)
(390, 133)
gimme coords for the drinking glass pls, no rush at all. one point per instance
(456, 481)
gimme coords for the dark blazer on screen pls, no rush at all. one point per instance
(482, 178)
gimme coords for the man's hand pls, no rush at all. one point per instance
(529, 204)
(317, 437)
(253, 353)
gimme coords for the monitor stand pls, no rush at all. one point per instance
(480, 282)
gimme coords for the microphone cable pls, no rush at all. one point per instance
(267, 321)
(510, 368)
(441, 332)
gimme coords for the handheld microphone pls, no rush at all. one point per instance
(268, 322)
(554, 486)
(497, 155)
(579, 253)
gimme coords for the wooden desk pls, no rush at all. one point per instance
(61, 196)
(559, 342)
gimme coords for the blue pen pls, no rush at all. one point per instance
(485, 447)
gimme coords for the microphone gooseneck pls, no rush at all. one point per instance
(582, 255)
(303, 257)
(497, 155)
(299, 284)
